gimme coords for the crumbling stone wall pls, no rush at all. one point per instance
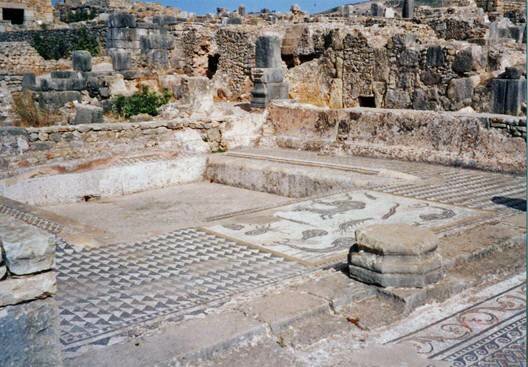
(67, 34)
(236, 47)
(18, 58)
(26, 147)
(486, 141)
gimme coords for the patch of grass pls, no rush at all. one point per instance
(29, 113)
(144, 101)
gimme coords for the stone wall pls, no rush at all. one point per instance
(236, 47)
(34, 10)
(27, 147)
(29, 330)
(389, 68)
(18, 58)
(485, 141)
(67, 34)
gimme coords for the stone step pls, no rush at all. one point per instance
(292, 177)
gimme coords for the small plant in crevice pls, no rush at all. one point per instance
(144, 101)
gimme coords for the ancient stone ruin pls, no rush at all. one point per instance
(292, 186)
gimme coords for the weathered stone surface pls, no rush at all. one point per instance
(418, 280)
(460, 90)
(511, 73)
(508, 95)
(396, 264)
(3, 271)
(396, 239)
(16, 290)
(121, 59)
(87, 114)
(268, 53)
(122, 20)
(408, 9)
(27, 249)
(435, 56)
(29, 334)
(82, 60)
(57, 99)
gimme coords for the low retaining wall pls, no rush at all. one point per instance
(22, 148)
(484, 141)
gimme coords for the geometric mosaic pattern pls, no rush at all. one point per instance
(104, 292)
(31, 219)
(473, 189)
(489, 333)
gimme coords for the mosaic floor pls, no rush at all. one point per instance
(322, 230)
(489, 333)
(104, 292)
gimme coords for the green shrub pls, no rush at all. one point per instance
(144, 101)
(78, 15)
(57, 46)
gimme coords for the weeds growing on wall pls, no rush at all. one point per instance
(29, 113)
(56, 45)
(144, 101)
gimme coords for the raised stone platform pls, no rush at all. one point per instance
(395, 255)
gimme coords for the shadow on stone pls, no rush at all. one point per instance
(518, 204)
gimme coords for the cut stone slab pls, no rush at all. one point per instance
(27, 249)
(279, 310)
(396, 239)
(30, 335)
(27, 288)
(397, 264)
(394, 279)
(195, 338)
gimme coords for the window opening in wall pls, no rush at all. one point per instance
(367, 101)
(16, 16)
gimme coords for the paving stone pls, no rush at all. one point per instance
(396, 239)
(27, 288)
(278, 310)
(29, 335)
(195, 338)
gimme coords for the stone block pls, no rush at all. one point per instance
(29, 81)
(121, 59)
(17, 290)
(82, 60)
(156, 41)
(511, 73)
(396, 239)
(409, 58)
(234, 20)
(87, 114)
(122, 20)
(408, 9)
(30, 335)
(460, 90)
(508, 95)
(395, 255)
(163, 20)
(75, 83)
(122, 34)
(27, 250)
(397, 98)
(468, 59)
(394, 279)
(57, 99)
(271, 75)
(377, 10)
(435, 56)
(268, 52)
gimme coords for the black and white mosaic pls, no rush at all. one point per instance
(106, 291)
(489, 333)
